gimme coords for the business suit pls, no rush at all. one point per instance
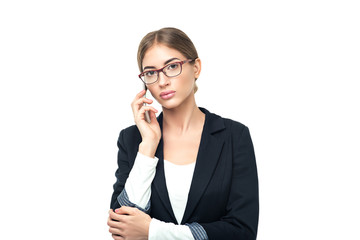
(223, 196)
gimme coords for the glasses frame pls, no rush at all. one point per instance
(162, 70)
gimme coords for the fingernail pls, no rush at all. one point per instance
(116, 210)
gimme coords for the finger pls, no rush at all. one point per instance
(140, 94)
(141, 113)
(117, 237)
(111, 213)
(109, 221)
(147, 108)
(113, 216)
(138, 102)
(114, 223)
(136, 106)
(126, 210)
(115, 231)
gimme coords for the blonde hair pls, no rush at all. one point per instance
(170, 37)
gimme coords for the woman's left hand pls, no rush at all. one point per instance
(129, 223)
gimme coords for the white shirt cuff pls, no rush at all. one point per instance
(159, 230)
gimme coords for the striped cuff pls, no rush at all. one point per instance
(197, 231)
(123, 200)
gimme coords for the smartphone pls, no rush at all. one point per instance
(147, 116)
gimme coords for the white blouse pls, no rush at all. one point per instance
(178, 180)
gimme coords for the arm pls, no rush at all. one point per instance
(137, 193)
(133, 185)
(137, 190)
(134, 188)
(122, 172)
(145, 136)
(241, 219)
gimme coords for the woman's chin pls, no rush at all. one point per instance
(169, 104)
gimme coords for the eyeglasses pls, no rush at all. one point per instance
(170, 70)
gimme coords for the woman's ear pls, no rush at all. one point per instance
(197, 68)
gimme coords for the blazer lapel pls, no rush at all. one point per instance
(207, 159)
(159, 181)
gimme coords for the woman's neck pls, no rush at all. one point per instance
(183, 118)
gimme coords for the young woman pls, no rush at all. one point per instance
(188, 174)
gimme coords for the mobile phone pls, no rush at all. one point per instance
(147, 116)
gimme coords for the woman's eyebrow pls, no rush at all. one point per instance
(170, 60)
(166, 62)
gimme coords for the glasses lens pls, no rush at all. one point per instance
(173, 69)
(149, 76)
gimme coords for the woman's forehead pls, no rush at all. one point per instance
(159, 54)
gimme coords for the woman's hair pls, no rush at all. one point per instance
(170, 37)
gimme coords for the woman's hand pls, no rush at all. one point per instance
(128, 223)
(150, 132)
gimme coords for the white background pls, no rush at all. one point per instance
(289, 70)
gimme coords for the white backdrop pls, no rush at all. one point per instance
(289, 70)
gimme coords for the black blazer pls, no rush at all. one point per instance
(223, 196)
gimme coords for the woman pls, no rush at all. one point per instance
(188, 174)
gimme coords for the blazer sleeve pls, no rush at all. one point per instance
(122, 173)
(242, 209)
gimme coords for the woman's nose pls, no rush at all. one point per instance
(163, 79)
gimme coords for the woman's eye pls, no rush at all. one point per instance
(149, 73)
(173, 66)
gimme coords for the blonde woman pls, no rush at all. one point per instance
(189, 173)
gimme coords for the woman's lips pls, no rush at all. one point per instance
(167, 94)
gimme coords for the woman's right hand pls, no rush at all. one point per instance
(150, 132)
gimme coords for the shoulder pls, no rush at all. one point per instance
(130, 134)
(227, 124)
(234, 126)
(130, 130)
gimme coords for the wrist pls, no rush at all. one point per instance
(148, 148)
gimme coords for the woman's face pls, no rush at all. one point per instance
(171, 92)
